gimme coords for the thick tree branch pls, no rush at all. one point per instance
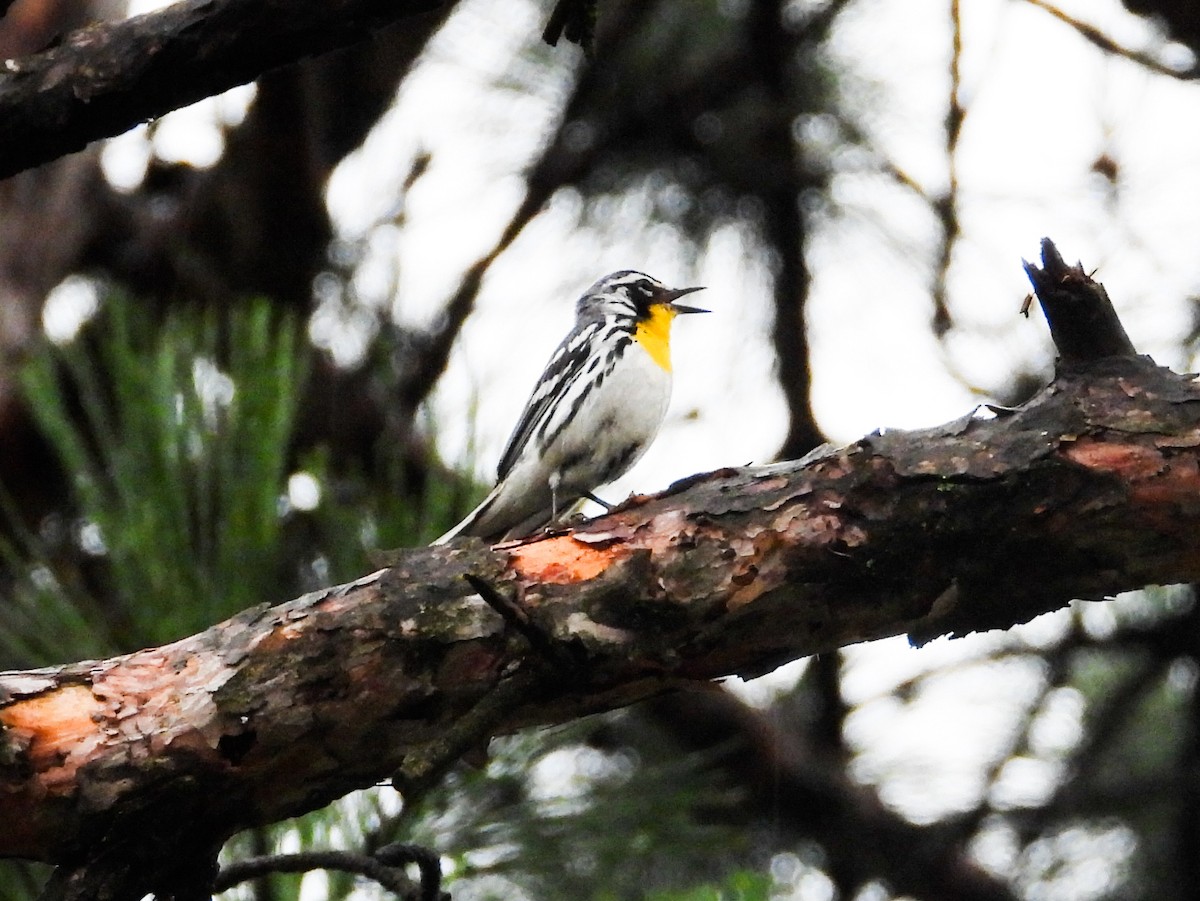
(106, 78)
(1087, 490)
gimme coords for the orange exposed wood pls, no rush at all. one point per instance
(1129, 461)
(58, 726)
(563, 560)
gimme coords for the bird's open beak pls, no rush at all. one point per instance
(669, 298)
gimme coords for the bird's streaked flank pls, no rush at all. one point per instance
(596, 408)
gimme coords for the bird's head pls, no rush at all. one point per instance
(643, 304)
(636, 295)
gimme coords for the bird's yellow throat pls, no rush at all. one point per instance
(654, 334)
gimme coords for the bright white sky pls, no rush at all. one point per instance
(1042, 106)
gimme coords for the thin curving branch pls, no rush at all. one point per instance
(1098, 38)
(385, 867)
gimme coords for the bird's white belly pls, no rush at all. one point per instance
(608, 435)
(621, 420)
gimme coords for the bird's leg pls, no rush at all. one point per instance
(555, 478)
(603, 503)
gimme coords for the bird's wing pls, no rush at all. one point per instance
(561, 373)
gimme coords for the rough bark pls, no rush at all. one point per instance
(108, 77)
(116, 767)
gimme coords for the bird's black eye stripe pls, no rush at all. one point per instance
(642, 293)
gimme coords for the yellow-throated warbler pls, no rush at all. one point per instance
(596, 408)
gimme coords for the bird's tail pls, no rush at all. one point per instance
(497, 518)
(473, 520)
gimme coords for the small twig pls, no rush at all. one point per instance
(1083, 323)
(421, 770)
(599, 500)
(518, 618)
(384, 867)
